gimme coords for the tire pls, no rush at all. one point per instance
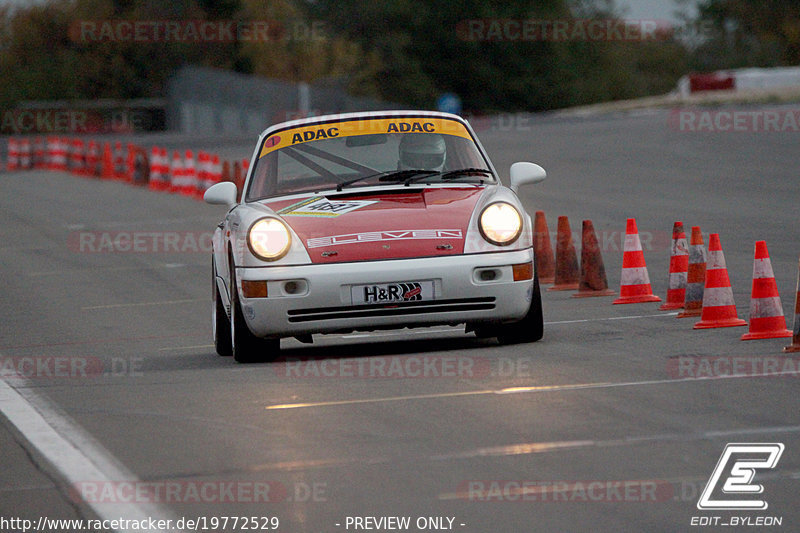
(529, 329)
(220, 323)
(246, 347)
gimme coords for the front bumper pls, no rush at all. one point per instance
(311, 299)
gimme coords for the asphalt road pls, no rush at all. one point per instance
(593, 428)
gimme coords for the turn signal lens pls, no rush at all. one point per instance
(523, 271)
(254, 289)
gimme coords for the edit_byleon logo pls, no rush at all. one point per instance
(731, 484)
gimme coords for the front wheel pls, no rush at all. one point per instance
(529, 329)
(220, 323)
(246, 347)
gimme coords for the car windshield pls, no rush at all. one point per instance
(366, 152)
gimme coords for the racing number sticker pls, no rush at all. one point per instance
(319, 206)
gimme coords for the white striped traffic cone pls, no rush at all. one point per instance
(635, 281)
(25, 153)
(795, 346)
(678, 269)
(176, 177)
(766, 311)
(696, 277)
(189, 174)
(719, 308)
(12, 163)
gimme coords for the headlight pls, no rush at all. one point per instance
(500, 223)
(269, 239)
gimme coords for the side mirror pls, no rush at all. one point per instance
(221, 194)
(525, 173)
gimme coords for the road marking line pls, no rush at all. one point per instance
(631, 317)
(90, 269)
(527, 448)
(565, 487)
(378, 400)
(186, 347)
(141, 304)
(453, 330)
(74, 455)
(101, 341)
(106, 269)
(519, 390)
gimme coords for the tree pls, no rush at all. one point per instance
(428, 47)
(743, 33)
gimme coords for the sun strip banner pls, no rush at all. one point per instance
(349, 128)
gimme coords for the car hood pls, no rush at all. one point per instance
(396, 223)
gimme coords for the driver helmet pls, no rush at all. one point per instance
(422, 151)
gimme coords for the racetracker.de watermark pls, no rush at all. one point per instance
(560, 491)
(716, 366)
(23, 121)
(68, 367)
(563, 30)
(195, 31)
(198, 491)
(45, 121)
(395, 366)
(143, 242)
(734, 120)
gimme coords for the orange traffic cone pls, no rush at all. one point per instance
(92, 159)
(156, 178)
(543, 250)
(77, 158)
(107, 167)
(766, 311)
(719, 309)
(39, 153)
(678, 269)
(567, 272)
(238, 179)
(130, 163)
(593, 273)
(634, 281)
(203, 170)
(226, 171)
(60, 154)
(119, 161)
(25, 153)
(696, 278)
(215, 174)
(795, 346)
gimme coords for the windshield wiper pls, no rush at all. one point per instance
(391, 175)
(409, 176)
(451, 175)
(456, 174)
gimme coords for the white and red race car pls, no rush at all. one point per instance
(366, 221)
